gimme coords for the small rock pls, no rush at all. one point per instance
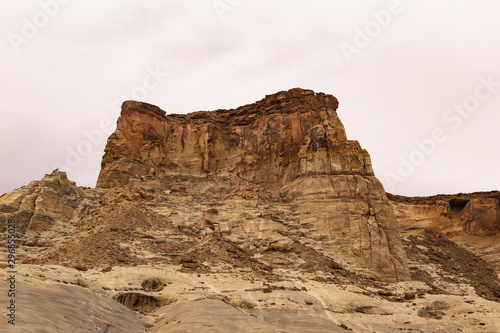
(385, 293)
(190, 265)
(409, 296)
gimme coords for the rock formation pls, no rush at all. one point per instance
(271, 142)
(52, 202)
(474, 214)
(472, 220)
(259, 219)
(291, 143)
(481, 217)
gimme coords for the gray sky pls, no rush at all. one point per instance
(418, 81)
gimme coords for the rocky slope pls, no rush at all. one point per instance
(475, 214)
(260, 219)
(290, 145)
(471, 220)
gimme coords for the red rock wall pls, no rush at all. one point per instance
(271, 142)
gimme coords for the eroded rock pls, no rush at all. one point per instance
(481, 217)
(54, 201)
(291, 144)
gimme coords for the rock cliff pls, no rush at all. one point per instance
(271, 142)
(471, 220)
(291, 143)
(263, 218)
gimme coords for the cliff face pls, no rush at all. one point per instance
(271, 142)
(475, 214)
(292, 144)
(471, 220)
(265, 218)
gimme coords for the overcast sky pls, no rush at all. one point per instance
(418, 81)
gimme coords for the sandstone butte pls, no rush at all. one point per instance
(291, 143)
(265, 217)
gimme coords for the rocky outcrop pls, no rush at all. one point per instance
(263, 218)
(271, 142)
(473, 214)
(481, 217)
(471, 220)
(292, 144)
(52, 202)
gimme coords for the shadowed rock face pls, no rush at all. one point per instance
(138, 302)
(292, 144)
(481, 217)
(475, 214)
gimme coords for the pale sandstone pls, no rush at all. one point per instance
(54, 201)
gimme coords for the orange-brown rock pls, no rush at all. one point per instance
(271, 142)
(474, 214)
(291, 143)
(481, 217)
(471, 220)
(260, 219)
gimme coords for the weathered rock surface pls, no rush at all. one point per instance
(471, 220)
(474, 213)
(52, 202)
(271, 142)
(260, 219)
(59, 299)
(57, 307)
(292, 144)
(481, 217)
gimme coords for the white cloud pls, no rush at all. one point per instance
(66, 78)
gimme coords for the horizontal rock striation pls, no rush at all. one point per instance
(291, 143)
(271, 142)
(473, 213)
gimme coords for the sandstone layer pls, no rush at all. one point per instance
(474, 213)
(260, 219)
(52, 202)
(60, 299)
(471, 220)
(291, 143)
(271, 142)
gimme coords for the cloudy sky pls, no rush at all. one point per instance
(418, 81)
